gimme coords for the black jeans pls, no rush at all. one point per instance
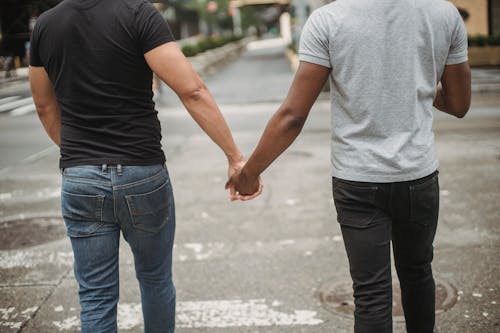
(370, 216)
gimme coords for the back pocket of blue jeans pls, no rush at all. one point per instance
(82, 213)
(150, 211)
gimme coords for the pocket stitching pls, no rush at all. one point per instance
(342, 219)
(418, 187)
(99, 206)
(133, 211)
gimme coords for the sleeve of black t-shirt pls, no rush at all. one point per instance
(152, 29)
(35, 59)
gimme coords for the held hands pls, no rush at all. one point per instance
(242, 186)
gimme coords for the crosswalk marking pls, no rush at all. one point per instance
(14, 104)
(9, 99)
(17, 106)
(23, 110)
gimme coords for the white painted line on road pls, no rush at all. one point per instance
(30, 108)
(9, 317)
(22, 216)
(31, 158)
(28, 196)
(239, 313)
(15, 104)
(67, 324)
(9, 99)
(32, 258)
(212, 314)
(40, 154)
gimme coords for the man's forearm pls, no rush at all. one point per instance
(205, 112)
(280, 132)
(50, 117)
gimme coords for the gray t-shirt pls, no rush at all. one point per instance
(386, 59)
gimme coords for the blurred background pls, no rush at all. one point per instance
(191, 20)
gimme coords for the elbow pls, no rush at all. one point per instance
(292, 120)
(42, 109)
(460, 114)
(193, 94)
(457, 107)
(460, 111)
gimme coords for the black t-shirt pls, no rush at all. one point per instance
(93, 51)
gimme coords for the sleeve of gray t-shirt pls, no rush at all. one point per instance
(314, 42)
(458, 48)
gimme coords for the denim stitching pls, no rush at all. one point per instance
(142, 181)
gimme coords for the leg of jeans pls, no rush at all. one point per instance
(85, 202)
(151, 237)
(416, 206)
(366, 230)
(96, 271)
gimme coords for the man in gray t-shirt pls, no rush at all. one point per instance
(388, 62)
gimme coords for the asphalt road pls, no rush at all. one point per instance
(261, 266)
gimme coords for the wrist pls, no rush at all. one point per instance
(235, 158)
(247, 172)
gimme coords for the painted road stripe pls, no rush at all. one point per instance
(29, 258)
(9, 99)
(23, 110)
(239, 313)
(15, 104)
(197, 314)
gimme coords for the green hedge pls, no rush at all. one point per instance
(482, 40)
(209, 43)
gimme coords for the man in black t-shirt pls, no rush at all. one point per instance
(90, 74)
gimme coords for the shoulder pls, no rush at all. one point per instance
(330, 14)
(443, 8)
(50, 15)
(137, 5)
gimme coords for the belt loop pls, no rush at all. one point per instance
(119, 169)
(104, 168)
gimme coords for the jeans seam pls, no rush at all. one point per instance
(139, 182)
(85, 180)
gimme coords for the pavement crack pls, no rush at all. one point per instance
(59, 282)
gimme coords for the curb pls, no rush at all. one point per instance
(208, 62)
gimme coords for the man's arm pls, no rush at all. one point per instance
(285, 125)
(170, 64)
(454, 93)
(46, 103)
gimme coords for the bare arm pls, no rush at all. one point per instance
(170, 64)
(46, 103)
(454, 93)
(285, 125)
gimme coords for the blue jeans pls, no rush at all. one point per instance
(98, 203)
(371, 215)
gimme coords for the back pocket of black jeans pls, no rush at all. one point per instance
(150, 211)
(355, 204)
(424, 202)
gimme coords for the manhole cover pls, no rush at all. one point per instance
(19, 233)
(336, 297)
